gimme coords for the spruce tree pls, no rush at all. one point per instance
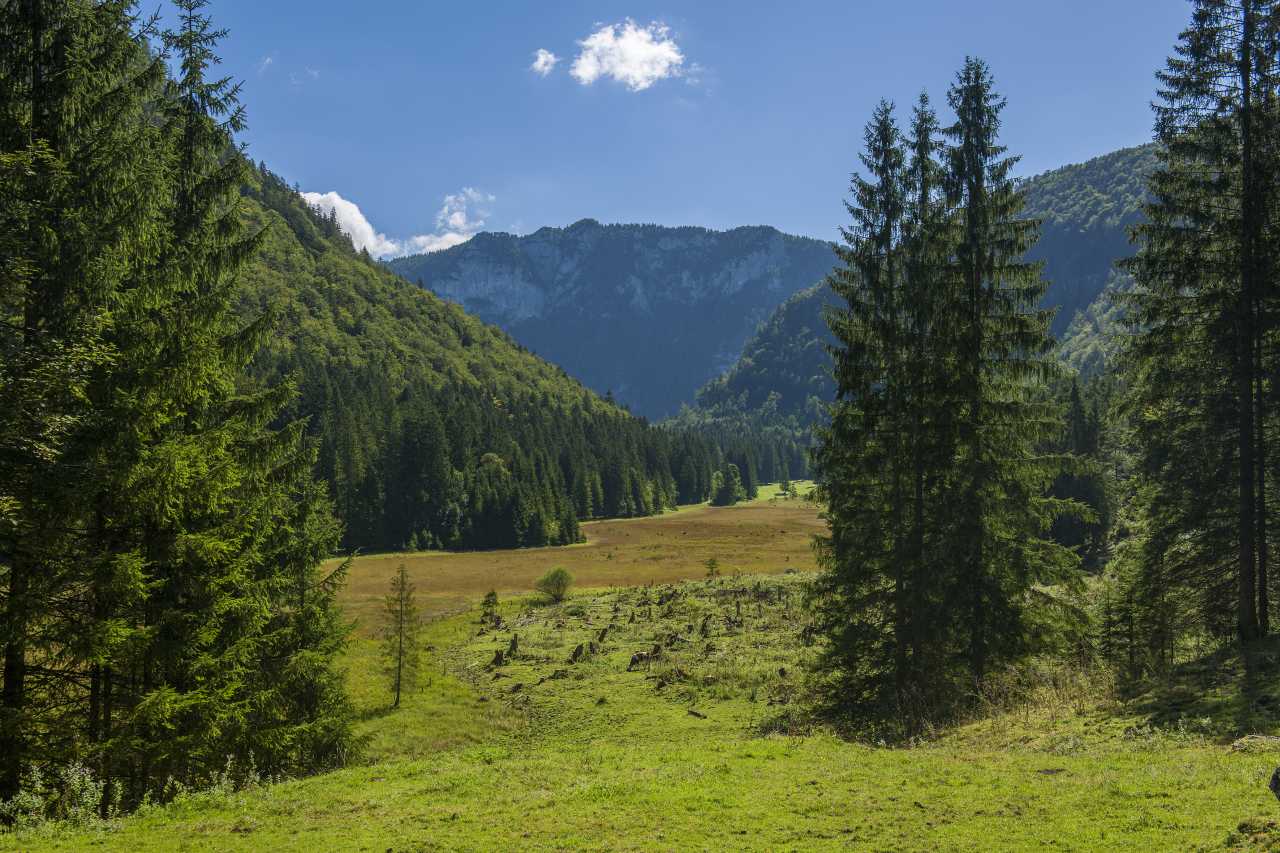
(224, 636)
(80, 184)
(1202, 362)
(862, 459)
(1005, 415)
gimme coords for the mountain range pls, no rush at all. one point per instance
(652, 314)
(646, 312)
(1086, 213)
(433, 426)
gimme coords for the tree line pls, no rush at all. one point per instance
(432, 429)
(436, 431)
(986, 508)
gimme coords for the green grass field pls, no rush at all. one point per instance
(696, 749)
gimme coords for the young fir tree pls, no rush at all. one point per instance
(1005, 414)
(400, 653)
(1202, 364)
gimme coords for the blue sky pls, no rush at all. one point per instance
(430, 118)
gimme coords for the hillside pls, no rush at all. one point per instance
(647, 312)
(432, 427)
(786, 357)
(1086, 212)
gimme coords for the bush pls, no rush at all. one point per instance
(489, 606)
(555, 584)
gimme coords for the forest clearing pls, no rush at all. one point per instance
(769, 534)
(661, 717)
(678, 481)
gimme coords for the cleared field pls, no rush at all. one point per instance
(768, 535)
(570, 744)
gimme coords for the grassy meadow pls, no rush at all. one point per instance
(769, 534)
(576, 743)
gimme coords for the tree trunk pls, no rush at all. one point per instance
(400, 645)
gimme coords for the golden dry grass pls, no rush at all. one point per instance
(765, 535)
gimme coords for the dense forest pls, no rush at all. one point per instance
(208, 392)
(163, 603)
(433, 429)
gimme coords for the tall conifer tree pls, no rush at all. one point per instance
(79, 189)
(1005, 415)
(862, 462)
(1203, 361)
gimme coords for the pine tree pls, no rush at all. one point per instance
(79, 189)
(1202, 363)
(1005, 414)
(400, 635)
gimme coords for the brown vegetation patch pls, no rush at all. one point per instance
(760, 537)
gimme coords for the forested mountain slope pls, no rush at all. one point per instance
(647, 312)
(785, 359)
(1086, 212)
(433, 428)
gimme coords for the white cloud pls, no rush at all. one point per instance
(461, 216)
(354, 224)
(265, 64)
(630, 54)
(543, 61)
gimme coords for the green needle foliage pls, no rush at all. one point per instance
(933, 471)
(163, 603)
(1202, 363)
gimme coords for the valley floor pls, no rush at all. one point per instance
(573, 744)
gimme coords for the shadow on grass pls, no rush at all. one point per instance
(1225, 694)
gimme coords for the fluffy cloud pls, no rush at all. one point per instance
(543, 62)
(354, 224)
(461, 217)
(634, 56)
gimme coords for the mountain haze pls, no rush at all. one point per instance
(647, 312)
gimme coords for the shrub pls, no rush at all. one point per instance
(489, 606)
(555, 584)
